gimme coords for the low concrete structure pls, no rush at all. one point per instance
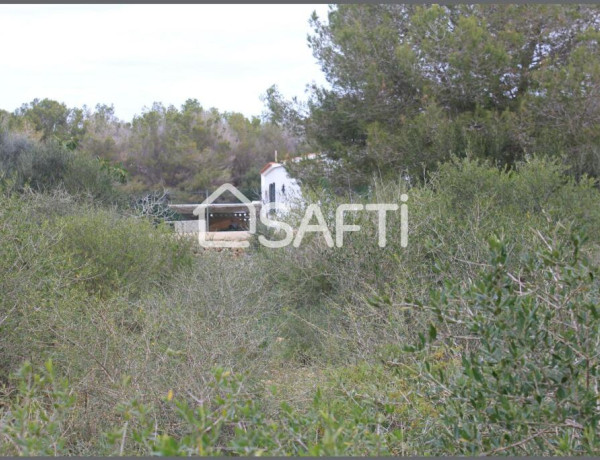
(225, 221)
(219, 217)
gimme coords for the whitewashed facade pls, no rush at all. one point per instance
(276, 185)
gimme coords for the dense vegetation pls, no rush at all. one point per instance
(186, 151)
(412, 85)
(480, 337)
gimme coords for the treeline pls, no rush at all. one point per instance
(409, 86)
(186, 150)
(412, 85)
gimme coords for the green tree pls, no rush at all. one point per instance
(53, 120)
(410, 85)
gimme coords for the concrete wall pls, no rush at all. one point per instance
(186, 226)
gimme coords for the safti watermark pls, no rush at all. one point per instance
(312, 213)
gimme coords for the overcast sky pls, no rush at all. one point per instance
(225, 56)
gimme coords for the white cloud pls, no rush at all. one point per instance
(132, 55)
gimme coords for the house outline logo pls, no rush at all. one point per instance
(200, 211)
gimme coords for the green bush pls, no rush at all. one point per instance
(45, 166)
(90, 178)
(230, 423)
(37, 420)
(527, 342)
(124, 255)
(336, 301)
(59, 259)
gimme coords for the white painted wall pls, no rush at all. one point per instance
(287, 189)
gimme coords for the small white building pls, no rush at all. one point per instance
(277, 186)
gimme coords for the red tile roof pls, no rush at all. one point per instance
(267, 166)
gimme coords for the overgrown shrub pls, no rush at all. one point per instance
(38, 418)
(45, 166)
(338, 299)
(313, 336)
(119, 254)
(59, 258)
(527, 342)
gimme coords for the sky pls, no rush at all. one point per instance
(130, 56)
